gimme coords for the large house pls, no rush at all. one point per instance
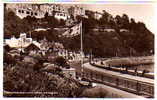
(20, 42)
(25, 44)
(39, 10)
(76, 10)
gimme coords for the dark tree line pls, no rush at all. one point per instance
(138, 41)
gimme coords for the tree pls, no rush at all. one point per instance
(60, 61)
(104, 19)
(13, 25)
(125, 21)
(62, 22)
(32, 21)
(112, 23)
(51, 20)
(46, 16)
(132, 25)
(118, 21)
(9, 59)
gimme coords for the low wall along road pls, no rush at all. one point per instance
(134, 84)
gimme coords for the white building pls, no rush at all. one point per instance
(62, 15)
(22, 13)
(76, 10)
(39, 10)
(22, 41)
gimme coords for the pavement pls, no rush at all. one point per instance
(117, 93)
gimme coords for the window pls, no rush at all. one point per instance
(19, 11)
(53, 7)
(22, 11)
(35, 14)
(27, 12)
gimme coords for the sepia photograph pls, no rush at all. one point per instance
(78, 50)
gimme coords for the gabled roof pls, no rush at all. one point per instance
(32, 46)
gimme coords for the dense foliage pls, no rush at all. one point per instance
(28, 74)
(138, 41)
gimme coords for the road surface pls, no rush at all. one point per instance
(117, 92)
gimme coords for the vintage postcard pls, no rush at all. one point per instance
(78, 50)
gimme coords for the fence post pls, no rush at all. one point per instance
(138, 87)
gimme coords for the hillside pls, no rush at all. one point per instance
(129, 38)
(137, 41)
(108, 44)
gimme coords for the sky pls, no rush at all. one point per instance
(140, 12)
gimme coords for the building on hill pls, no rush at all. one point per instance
(25, 44)
(20, 42)
(39, 10)
(56, 10)
(97, 15)
(22, 13)
(25, 9)
(12, 42)
(76, 10)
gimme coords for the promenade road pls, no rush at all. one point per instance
(117, 92)
(137, 78)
